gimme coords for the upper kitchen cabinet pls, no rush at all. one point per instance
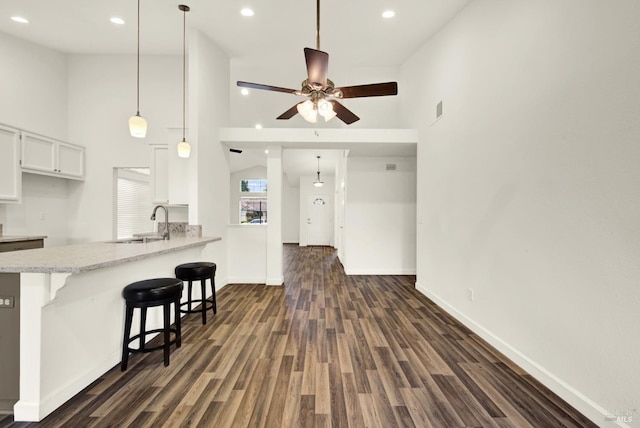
(169, 173)
(159, 173)
(43, 155)
(10, 174)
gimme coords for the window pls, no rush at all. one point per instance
(133, 202)
(253, 210)
(253, 186)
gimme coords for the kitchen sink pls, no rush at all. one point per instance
(136, 240)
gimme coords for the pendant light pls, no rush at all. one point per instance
(137, 124)
(184, 148)
(318, 183)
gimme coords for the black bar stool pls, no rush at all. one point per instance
(146, 294)
(199, 271)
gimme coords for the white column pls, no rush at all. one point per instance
(274, 220)
(34, 288)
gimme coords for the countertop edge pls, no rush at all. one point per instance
(149, 252)
(9, 238)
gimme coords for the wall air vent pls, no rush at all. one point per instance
(391, 167)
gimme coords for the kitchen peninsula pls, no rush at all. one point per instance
(72, 312)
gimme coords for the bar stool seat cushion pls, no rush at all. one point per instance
(156, 289)
(195, 271)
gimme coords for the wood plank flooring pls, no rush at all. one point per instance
(324, 350)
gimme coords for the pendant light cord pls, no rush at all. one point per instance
(184, 69)
(138, 66)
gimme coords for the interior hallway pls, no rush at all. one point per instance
(325, 349)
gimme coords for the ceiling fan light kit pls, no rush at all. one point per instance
(321, 92)
(137, 124)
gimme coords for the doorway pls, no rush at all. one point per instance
(320, 219)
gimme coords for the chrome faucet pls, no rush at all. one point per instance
(165, 233)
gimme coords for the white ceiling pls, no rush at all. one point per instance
(353, 32)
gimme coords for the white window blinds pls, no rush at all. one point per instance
(133, 202)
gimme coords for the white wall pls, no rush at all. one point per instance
(102, 96)
(380, 216)
(290, 212)
(247, 254)
(43, 210)
(33, 84)
(528, 188)
(208, 112)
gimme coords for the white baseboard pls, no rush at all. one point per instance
(36, 411)
(596, 413)
(246, 280)
(275, 281)
(408, 271)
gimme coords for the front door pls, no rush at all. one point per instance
(319, 219)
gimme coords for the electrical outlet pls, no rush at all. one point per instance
(7, 302)
(470, 294)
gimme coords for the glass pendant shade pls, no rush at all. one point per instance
(307, 111)
(184, 149)
(137, 126)
(325, 108)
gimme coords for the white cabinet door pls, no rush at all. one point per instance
(159, 173)
(43, 155)
(169, 174)
(38, 153)
(70, 160)
(178, 170)
(10, 173)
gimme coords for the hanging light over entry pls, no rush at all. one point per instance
(137, 124)
(318, 182)
(184, 148)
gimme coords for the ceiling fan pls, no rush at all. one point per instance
(321, 93)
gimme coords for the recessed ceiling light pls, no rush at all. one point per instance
(388, 14)
(266, 152)
(244, 91)
(20, 19)
(258, 126)
(246, 12)
(117, 20)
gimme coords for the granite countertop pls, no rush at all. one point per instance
(91, 256)
(20, 238)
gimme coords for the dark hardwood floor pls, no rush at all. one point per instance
(325, 349)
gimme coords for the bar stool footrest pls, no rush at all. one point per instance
(209, 304)
(155, 348)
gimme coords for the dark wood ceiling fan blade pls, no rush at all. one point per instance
(371, 90)
(266, 87)
(317, 66)
(343, 113)
(289, 113)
